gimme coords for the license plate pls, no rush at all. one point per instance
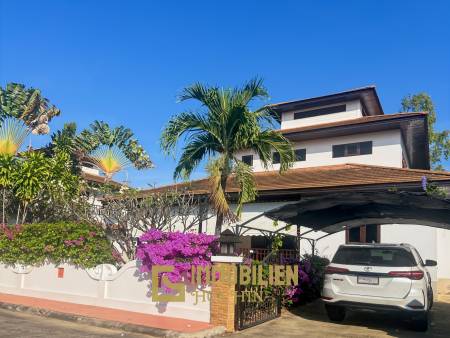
(368, 280)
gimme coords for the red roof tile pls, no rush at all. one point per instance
(324, 177)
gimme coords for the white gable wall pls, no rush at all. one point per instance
(353, 111)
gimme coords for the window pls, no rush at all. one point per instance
(300, 155)
(391, 257)
(248, 159)
(364, 234)
(322, 111)
(352, 149)
(275, 157)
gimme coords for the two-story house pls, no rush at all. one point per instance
(344, 142)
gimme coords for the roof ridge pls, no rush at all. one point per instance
(372, 86)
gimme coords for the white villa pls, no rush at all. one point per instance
(344, 142)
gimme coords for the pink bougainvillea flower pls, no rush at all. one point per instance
(181, 250)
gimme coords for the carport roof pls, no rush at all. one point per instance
(333, 212)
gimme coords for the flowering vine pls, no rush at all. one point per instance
(181, 250)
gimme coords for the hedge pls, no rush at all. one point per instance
(81, 244)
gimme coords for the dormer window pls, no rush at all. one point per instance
(248, 159)
(276, 157)
(352, 149)
(321, 111)
(300, 155)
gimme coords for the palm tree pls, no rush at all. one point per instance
(28, 105)
(109, 149)
(225, 126)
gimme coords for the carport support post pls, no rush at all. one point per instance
(298, 241)
(223, 302)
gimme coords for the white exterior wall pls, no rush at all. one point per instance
(443, 253)
(353, 111)
(387, 151)
(104, 286)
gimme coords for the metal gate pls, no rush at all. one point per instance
(251, 312)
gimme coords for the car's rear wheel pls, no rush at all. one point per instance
(420, 323)
(335, 313)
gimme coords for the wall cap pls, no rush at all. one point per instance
(226, 259)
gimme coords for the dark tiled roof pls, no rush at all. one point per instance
(324, 177)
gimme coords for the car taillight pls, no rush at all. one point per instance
(414, 275)
(332, 269)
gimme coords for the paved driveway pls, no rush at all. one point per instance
(21, 325)
(311, 321)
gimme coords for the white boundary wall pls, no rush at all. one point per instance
(104, 286)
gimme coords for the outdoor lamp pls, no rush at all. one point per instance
(228, 241)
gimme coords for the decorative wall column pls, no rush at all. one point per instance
(223, 291)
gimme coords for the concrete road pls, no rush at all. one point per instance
(311, 321)
(21, 325)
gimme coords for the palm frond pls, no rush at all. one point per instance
(195, 150)
(251, 90)
(184, 123)
(246, 182)
(270, 140)
(109, 159)
(218, 197)
(13, 133)
(197, 91)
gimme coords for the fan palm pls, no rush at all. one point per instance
(101, 134)
(225, 127)
(110, 149)
(13, 133)
(110, 159)
(28, 105)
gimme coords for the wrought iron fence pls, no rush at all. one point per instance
(251, 311)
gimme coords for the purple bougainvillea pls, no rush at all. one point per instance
(181, 250)
(310, 280)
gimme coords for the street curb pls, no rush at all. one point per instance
(109, 324)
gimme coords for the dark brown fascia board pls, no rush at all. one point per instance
(348, 129)
(367, 95)
(427, 142)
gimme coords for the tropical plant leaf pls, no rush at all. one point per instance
(217, 194)
(109, 159)
(13, 133)
(246, 182)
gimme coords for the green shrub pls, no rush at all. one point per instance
(81, 244)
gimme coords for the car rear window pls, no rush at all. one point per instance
(391, 257)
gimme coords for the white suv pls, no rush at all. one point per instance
(384, 277)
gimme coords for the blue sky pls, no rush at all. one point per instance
(124, 62)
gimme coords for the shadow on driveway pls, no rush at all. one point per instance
(311, 321)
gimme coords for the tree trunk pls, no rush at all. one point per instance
(24, 212)
(220, 217)
(18, 214)
(3, 205)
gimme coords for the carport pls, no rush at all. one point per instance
(336, 212)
